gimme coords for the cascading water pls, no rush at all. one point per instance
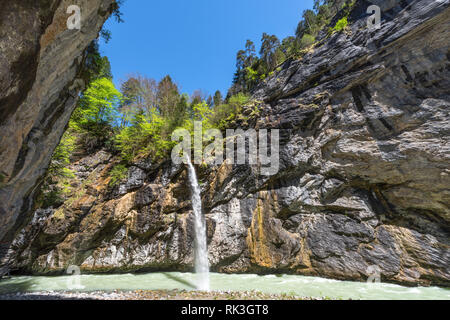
(201, 249)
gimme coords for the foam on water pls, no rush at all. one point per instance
(288, 284)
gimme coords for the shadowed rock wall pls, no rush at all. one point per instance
(40, 61)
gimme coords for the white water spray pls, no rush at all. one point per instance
(201, 249)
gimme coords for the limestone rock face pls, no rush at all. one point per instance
(363, 183)
(40, 64)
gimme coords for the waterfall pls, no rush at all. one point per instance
(201, 248)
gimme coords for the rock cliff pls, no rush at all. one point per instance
(40, 78)
(363, 182)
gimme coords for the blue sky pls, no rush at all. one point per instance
(194, 41)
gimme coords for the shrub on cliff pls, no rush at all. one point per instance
(341, 24)
(90, 126)
(225, 113)
(146, 135)
(117, 174)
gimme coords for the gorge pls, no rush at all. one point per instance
(364, 170)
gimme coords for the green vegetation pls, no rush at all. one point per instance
(251, 69)
(138, 120)
(151, 111)
(91, 126)
(96, 108)
(117, 14)
(225, 113)
(61, 156)
(135, 122)
(117, 174)
(341, 24)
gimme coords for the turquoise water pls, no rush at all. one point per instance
(289, 284)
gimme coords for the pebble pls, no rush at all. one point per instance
(150, 295)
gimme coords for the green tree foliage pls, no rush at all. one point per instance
(307, 40)
(269, 51)
(210, 101)
(167, 95)
(58, 175)
(139, 94)
(117, 174)
(341, 24)
(91, 126)
(197, 97)
(150, 112)
(252, 69)
(92, 120)
(117, 14)
(95, 65)
(314, 20)
(61, 156)
(154, 111)
(138, 120)
(227, 112)
(97, 107)
(218, 99)
(290, 46)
